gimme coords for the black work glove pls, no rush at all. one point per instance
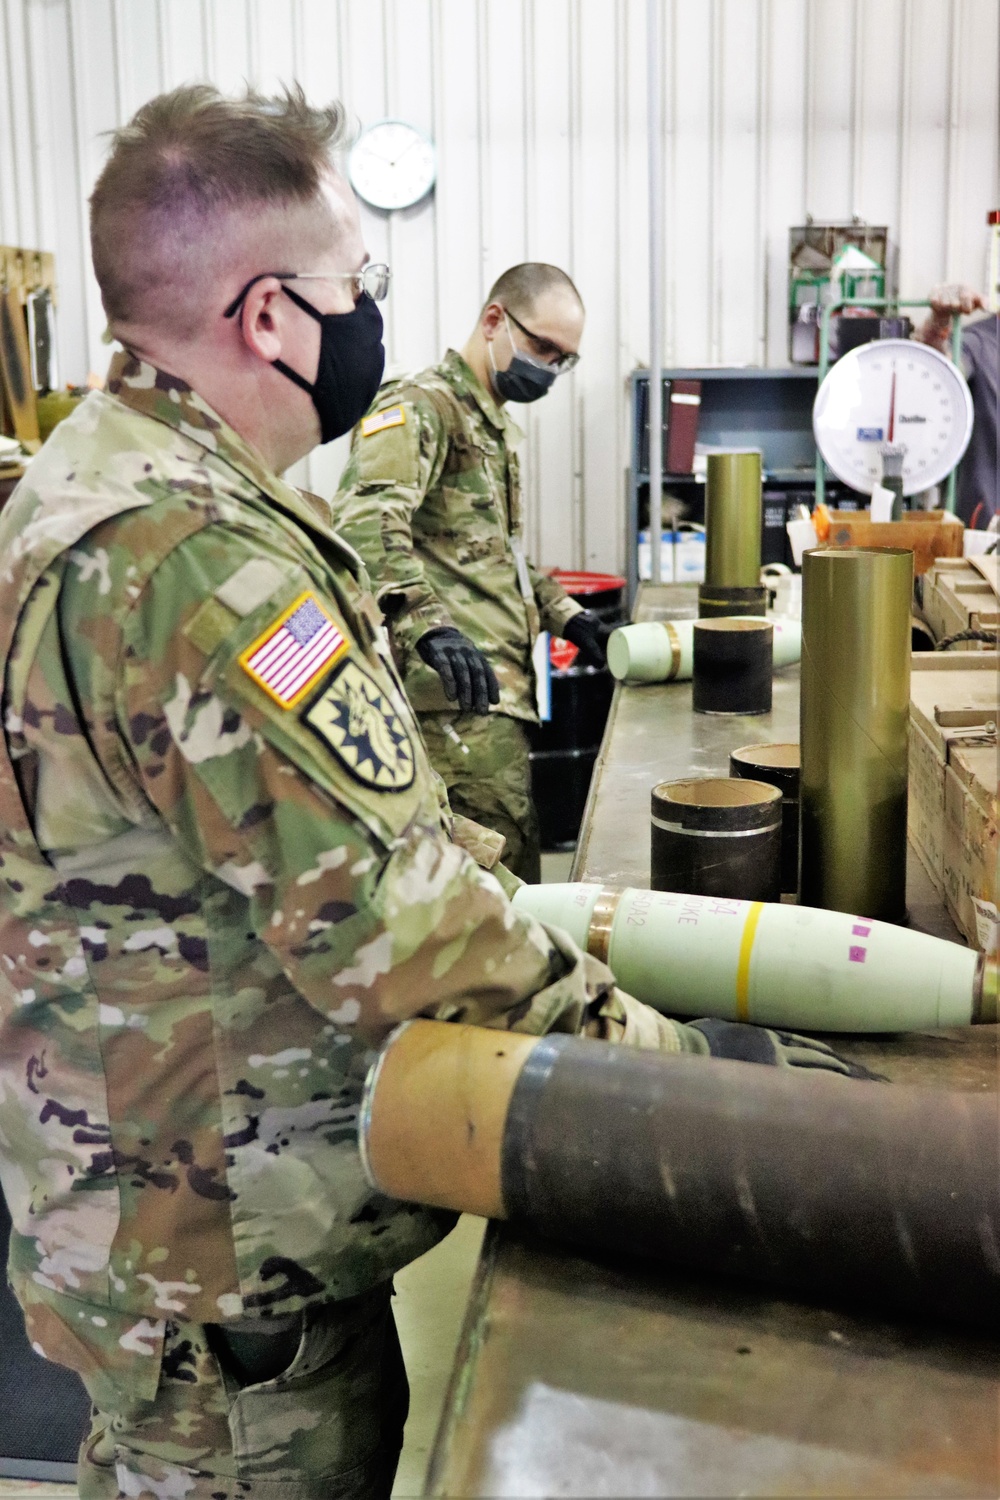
(589, 634)
(782, 1049)
(464, 671)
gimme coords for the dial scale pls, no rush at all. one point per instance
(895, 391)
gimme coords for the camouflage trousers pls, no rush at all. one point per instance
(483, 761)
(319, 1414)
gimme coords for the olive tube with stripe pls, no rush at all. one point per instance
(814, 1183)
(663, 650)
(788, 966)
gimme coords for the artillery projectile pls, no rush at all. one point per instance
(663, 650)
(773, 965)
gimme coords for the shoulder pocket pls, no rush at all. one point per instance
(388, 452)
(292, 674)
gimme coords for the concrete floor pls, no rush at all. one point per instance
(431, 1297)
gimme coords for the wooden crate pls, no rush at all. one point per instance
(958, 595)
(930, 534)
(954, 701)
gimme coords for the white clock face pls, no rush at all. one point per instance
(391, 165)
(893, 391)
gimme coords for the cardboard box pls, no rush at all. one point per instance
(929, 534)
(925, 803)
(957, 595)
(970, 835)
(953, 776)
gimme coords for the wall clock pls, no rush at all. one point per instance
(391, 165)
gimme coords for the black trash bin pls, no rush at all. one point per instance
(564, 749)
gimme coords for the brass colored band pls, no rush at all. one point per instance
(986, 991)
(601, 923)
(675, 650)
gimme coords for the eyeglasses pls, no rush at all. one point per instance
(371, 281)
(562, 361)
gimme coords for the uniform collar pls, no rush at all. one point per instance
(460, 374)
(166, 398)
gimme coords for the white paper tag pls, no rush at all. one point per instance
(802, 536)
(881, 507)
(523, 581)
(987, 924)
(542, 664)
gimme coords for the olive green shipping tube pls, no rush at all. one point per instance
(854, 720)
(733, 520)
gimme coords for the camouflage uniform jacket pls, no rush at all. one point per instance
(431, 499)
(219, 890)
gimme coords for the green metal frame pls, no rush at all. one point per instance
(824, 364)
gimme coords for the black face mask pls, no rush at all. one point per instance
(525, 379)
(351, 361)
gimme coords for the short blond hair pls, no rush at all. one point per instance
(194, 184)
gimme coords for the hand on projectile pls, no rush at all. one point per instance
(782, 1049)
(589, 634)
(464, 671)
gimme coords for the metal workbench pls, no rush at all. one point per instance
(581, 1376)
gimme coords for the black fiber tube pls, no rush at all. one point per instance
(813, 1184)
(733, 666)
(778, 765)
(716, 837)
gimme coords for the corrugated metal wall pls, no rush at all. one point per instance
(773, 108)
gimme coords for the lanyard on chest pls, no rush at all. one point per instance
(514, 518)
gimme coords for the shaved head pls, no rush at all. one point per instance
(520, 288)
(200, 188)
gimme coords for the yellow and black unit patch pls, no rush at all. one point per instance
(392, 416)
(355, 719)
(294, 651)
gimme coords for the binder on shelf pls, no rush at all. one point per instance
(681, 406)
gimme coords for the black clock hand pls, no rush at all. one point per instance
(410, 147)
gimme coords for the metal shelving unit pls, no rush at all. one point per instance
(741, 406)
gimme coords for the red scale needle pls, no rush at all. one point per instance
(892, 406)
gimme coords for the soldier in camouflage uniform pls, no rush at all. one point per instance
(225, 867)
(431, 500)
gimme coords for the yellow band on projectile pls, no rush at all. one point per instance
(743, 963)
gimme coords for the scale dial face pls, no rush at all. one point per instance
(391, 165)
(893, 391)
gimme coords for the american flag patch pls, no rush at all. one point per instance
(287, 659)
(390, 416)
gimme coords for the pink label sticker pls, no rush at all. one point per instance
(857, 955)
(860, 930)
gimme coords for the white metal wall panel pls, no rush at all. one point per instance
(772, 109)
(783, 166)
